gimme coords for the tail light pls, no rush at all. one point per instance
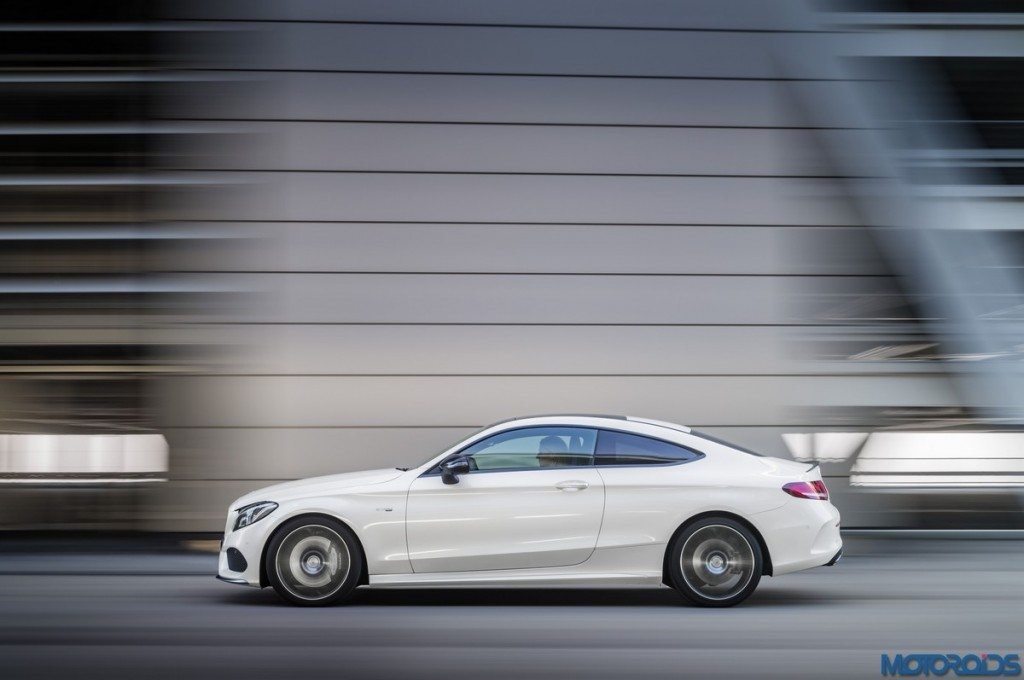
(815, 490)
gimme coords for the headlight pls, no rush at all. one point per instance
(250, 514)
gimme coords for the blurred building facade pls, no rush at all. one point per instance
(312, 237)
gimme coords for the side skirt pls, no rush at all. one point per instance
(525, 578)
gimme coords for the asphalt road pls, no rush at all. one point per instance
(162, 615)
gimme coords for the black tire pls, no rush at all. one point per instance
(715, 562)
(314, 561)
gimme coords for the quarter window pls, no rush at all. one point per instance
(621, 448)
(534, 447)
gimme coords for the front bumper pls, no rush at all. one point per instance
(236, 581)
(242, 551)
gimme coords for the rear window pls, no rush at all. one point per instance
(622, 448)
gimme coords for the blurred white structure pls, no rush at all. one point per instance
(940, 460)
(824, 447)
(82, 459)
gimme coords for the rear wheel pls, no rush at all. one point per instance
(314, 561)
(715, 562)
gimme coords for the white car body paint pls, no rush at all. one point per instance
(585, 526)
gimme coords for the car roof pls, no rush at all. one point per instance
(588, 419)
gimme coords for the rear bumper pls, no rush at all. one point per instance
(835, 559)
(801, 534)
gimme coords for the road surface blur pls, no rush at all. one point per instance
(162, 615)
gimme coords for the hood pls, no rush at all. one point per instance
(315, 486)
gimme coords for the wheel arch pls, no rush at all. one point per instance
(264, 581)
(766, 558)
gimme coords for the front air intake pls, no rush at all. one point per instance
(236, 561)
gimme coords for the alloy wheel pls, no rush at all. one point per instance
(313, 562)
(717, 562)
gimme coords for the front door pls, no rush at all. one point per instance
(532, 498)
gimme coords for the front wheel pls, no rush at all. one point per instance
(314, 561)
(715, 562)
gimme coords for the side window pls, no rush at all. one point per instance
(620, 448)
(534, 447)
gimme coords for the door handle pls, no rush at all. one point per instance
(574, 485)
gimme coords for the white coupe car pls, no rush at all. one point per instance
(596, 501)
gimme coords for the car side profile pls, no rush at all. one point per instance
(545, 501)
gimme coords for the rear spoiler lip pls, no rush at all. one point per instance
(813, 465)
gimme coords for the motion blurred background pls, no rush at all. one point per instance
(251, 241)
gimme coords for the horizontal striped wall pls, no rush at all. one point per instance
(452, 213)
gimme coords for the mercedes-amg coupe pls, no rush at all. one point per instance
(546, 501)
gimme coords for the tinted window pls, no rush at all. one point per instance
(534, 447)
(620, 448)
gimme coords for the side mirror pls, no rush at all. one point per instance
(450, 470)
